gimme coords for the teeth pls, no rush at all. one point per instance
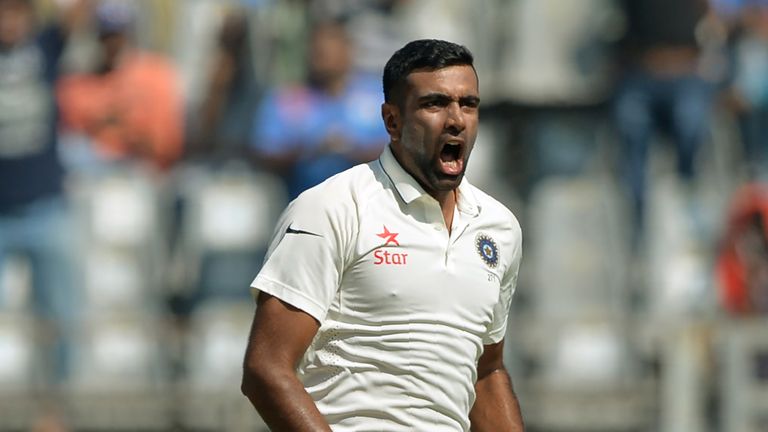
(451, 164)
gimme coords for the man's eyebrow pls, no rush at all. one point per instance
(435, 96)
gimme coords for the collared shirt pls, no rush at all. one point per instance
(405, 307)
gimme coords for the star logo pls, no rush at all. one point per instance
(389, 237)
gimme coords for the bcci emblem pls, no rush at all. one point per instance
(487, 249)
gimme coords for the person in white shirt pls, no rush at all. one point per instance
(383, 301)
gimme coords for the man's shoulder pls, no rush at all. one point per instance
(494, 210)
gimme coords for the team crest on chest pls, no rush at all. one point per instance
(487, 250)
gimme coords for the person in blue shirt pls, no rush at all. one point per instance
(311, 131)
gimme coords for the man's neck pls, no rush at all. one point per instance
(447, 201)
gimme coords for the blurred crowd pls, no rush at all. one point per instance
(147, 147)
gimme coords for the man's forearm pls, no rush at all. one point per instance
(283, 403)
(496, 407)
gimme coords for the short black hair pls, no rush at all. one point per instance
(422, 54)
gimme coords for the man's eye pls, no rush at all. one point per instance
(470, 104)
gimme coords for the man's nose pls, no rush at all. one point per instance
(454, 121)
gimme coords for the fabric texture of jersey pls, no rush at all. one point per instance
(404, 307)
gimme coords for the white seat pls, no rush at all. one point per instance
(119, 352)
(17, 352)
(236, 210)
(123, 209)
(15, 284)
(114, 279)
(577, 256)
(743, 353)
(217, 339)
(229, 218)
(587, 374)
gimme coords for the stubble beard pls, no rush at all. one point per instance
(437, 181)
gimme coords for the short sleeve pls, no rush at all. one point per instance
(498, 326)
(306, 257)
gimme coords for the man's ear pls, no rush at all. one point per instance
(390, 113)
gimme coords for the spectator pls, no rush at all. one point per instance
(331, 122)
(229, 102)
(375, 27)
(748, 92)
(661, 89)
(35, 221)
(132, 106)
(742, 264)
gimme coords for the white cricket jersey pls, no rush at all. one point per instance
(404, 307)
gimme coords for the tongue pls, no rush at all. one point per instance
(450, 165)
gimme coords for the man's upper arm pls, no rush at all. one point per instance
(496, 407)
(280, 334)
(492, 359)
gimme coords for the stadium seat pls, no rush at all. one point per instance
(743, 355)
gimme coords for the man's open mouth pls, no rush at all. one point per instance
(451, 160)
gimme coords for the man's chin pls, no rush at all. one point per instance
(447, 182)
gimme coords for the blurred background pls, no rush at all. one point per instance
(148, 146)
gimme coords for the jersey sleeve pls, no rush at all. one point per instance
(498, 326)
(307, 255)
